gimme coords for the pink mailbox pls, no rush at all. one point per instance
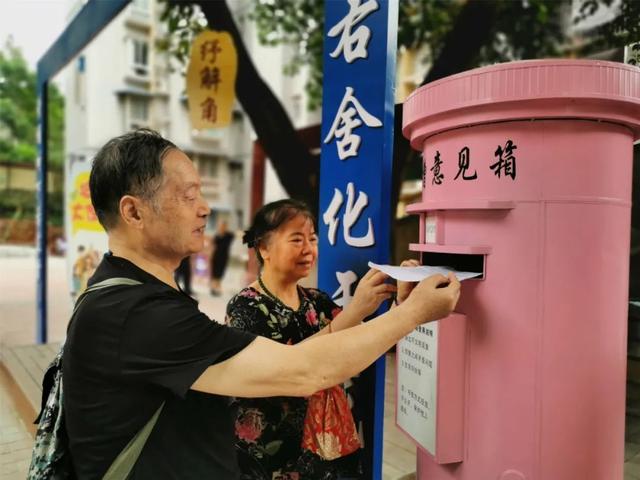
(527, 179)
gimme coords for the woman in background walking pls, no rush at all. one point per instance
(220, 257)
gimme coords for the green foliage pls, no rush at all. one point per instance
(184, 22)
(56, 129)
(623, 29)
(524, 29)
(18, 113)
(527, 30)
(299, 23)
(21, 204)
(425, 22)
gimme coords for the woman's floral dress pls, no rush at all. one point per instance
(269, 430)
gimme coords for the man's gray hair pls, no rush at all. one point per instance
(130, 164)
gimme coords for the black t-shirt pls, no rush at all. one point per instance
(128, 349)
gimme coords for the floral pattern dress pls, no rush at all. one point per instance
(269, 430)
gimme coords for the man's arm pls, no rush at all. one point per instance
(267, 368)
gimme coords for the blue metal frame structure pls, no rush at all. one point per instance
(364, 81)
(93, 17)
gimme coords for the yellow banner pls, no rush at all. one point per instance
(83, 216)
(211, 79)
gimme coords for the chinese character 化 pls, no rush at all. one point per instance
(345, 122)
(353, 210)
(353, 44)
(506, 160)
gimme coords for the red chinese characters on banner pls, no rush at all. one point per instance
(83, 216)
(83, 213)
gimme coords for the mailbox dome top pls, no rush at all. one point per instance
(525, 90)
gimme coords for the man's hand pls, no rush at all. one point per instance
(433, 298)
(371, 292)
(405, 288)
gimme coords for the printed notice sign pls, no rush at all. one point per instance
(417, 385)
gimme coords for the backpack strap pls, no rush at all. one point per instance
(54, 367)
(127, 458)
(109, 282)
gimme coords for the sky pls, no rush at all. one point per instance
(34, 25)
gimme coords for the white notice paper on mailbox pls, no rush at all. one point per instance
(416, 274)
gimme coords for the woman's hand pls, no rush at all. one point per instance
(404, 288)
(371, 292)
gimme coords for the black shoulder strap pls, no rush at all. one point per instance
(53, 368)
(109, 282)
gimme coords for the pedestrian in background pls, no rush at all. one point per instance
(220, 257)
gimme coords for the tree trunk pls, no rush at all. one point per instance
(296, 167)
(472, 30)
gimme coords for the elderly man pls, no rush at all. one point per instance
(131, 348)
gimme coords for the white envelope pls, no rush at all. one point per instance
(416, 274)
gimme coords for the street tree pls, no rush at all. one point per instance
(18, 139)
(455, 36)
(18, 112)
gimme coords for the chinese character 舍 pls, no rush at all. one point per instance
(353, 44)
(346, 121)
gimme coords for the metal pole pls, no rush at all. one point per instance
(41, 212)
(93, 17)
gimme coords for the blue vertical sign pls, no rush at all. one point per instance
(360, 42)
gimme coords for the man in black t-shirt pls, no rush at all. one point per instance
(130, 348)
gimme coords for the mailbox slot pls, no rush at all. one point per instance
(460, 261)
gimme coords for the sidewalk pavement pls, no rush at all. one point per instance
(16, 433)
(18, 327)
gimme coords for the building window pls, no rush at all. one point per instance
(208, 167)
(141, 5)
(138, 113)
(139, 110)
(140, 58)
